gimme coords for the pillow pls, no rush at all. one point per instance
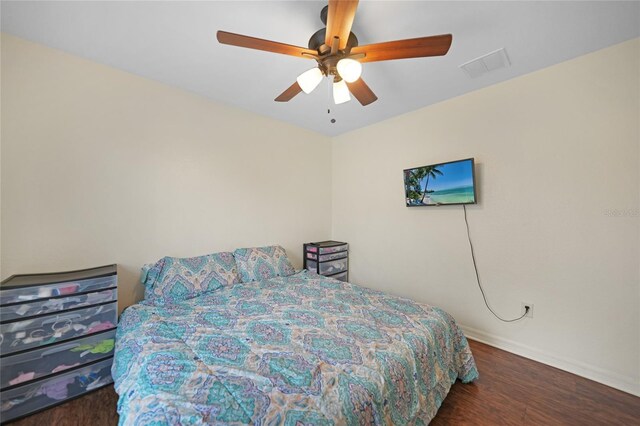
(148, 275)
(261, 263)
(174, 279)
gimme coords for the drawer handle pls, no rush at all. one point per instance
(59, 349)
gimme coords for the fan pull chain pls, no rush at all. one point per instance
(333, 120)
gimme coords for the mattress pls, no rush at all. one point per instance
(303, 349)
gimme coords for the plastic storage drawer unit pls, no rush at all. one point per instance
(329, 258)
(57, 336)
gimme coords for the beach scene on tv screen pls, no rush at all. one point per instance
(450, 183)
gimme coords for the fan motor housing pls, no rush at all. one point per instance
(318, 38)
(327, 61)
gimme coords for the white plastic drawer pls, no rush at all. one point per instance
(45, 306)
(327, 268)
(30, 293)
(341, 276)
(32, 365)
(334, 249)
(312, 265)
(333, 266)
(327, 257)
(23, 400)
(20, 335)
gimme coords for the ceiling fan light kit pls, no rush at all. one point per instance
(338, 55)
(340, 92)
(309, 80)
(349, 69)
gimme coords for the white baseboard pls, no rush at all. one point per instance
(590, 372)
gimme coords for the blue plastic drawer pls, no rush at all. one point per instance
(31, 293)
(23, 400)
(45, 306)
(35, 364)
(30, 333)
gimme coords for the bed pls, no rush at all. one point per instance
(294, 350)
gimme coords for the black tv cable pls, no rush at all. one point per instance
(475, 267)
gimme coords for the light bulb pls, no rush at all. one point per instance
(340, 92)
(309, 80)
(349, 69)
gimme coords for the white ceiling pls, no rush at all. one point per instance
(174, 43)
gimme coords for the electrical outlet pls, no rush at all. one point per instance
(524, 308)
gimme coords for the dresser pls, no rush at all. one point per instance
(328, 258)
(57, 336)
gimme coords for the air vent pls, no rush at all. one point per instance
(486, 63)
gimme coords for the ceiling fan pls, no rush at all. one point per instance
(336, 50)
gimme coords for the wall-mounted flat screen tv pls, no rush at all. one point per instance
(441, 184)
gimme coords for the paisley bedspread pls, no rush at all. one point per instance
(302, 349)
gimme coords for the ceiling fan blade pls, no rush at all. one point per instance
(288, 94)
(266, 45)
(401, 49)
(362, 92)
(339, 20)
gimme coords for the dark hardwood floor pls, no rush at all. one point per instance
(511, 391)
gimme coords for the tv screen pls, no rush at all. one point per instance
(441, 184)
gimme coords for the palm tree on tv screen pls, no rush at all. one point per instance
(412, 182)
(429, 172)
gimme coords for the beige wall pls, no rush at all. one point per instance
(100, 166)
(556, 151)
